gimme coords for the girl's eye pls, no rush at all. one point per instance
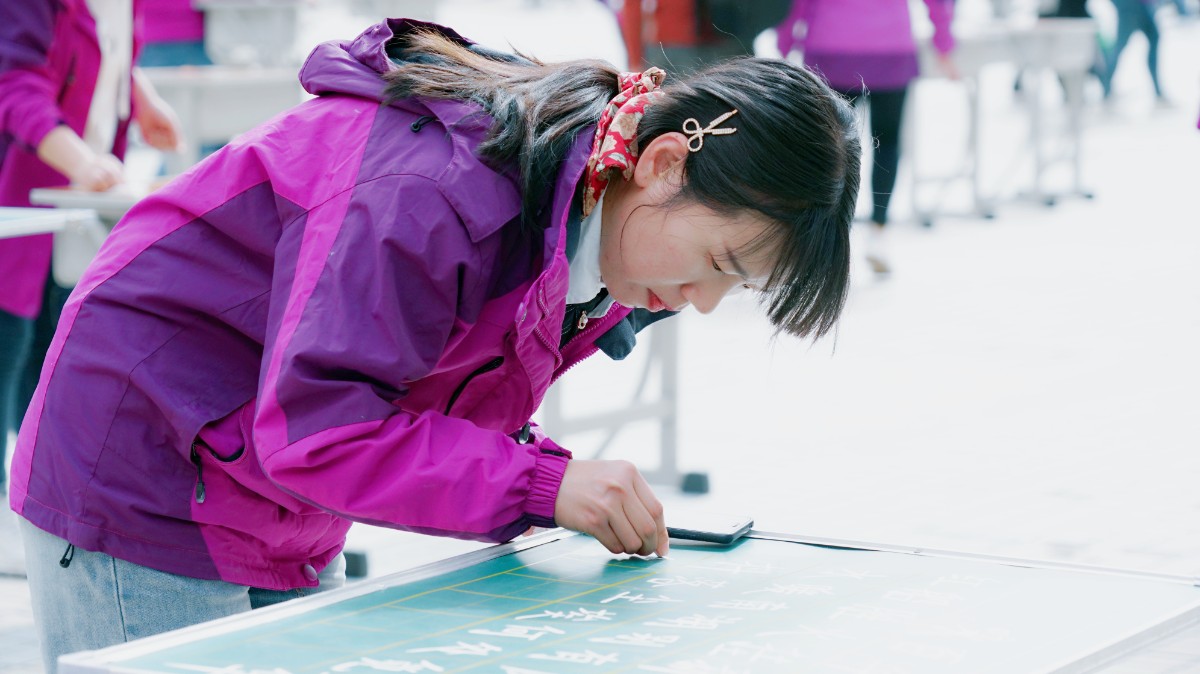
(716, 266)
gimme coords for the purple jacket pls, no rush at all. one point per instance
(49, 59)
(857, 42)
(333, 318)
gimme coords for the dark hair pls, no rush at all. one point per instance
(794, 159)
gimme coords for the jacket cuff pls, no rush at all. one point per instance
(543, 487)
(36, 131)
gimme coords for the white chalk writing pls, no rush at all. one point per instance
(460, 648)
(579, 615)
(642, 639)
(527, 632)
(588, 657)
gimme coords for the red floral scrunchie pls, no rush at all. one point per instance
(615, 145)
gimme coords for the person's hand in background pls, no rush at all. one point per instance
(97, 173)
(947, 65)
(159, 124)
(66, 153)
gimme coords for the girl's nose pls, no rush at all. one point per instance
(707, 296)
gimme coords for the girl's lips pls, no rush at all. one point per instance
(653, 302)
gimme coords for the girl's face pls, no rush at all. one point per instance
(657, 257)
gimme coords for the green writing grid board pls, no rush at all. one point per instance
(561, 604)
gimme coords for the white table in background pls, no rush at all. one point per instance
(15, 222)
(1062, 48)
(79, 231)
(90, 216)
(216, 103)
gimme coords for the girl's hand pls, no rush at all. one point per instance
(611, 501)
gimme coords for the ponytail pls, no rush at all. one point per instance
(537, 109)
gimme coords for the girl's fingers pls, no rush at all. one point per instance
(645, 529)
(631, 541)
(654, 511)
(608, 538)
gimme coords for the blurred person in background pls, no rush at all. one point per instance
(685, 35)
(68, 92)
(1182, 9)
(172, 34)
(1077, 9)
(1135, 16)
(1070, 9)
(351, 313)
(866, 51)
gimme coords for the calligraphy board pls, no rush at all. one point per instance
(561, 604)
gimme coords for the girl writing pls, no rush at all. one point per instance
(350, 313)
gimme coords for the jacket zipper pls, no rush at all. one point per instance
(199, 474)
(482, 369)
(591, 327)
(578, 321)
(201, 492)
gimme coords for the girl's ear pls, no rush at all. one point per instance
(662, 159)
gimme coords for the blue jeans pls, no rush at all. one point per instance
(98, 600)
(1132, 16)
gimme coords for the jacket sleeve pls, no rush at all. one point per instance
(378, 277)
(28, 105)
(941, 14)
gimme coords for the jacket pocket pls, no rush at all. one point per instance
(224, 440)
(492, 364)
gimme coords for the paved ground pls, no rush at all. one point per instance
(1026, 386)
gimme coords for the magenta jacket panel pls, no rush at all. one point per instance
(49, 58)
(334, 318)
(853, 43)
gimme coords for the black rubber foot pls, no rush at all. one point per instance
(695, 483)
(356, 564)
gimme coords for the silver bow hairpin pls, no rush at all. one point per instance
(696, 135)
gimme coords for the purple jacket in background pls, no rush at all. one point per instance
(853, 43)
(334, 318)
(49, 59)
